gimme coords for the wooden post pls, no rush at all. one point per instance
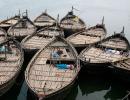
(19, 13)
(26, 13)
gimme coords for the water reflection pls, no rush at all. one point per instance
(98, 88)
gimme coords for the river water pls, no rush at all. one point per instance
(117, 15)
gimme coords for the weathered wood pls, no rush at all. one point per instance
(47, 76)
(42, 37)
(107, 50)
(10, 67)
(88, 36)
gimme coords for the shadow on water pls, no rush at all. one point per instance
(98, 87)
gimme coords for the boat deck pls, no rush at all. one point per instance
(47, 78)
(22, 28)
(9, 22)
(73, 25)
(41, 38)
(115, 43)
(10, 64)
(87, 36)
(44, 20)
(124, 64)
(97, 55)
(36, 42)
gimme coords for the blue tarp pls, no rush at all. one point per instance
(62, 66)
(2, 49)
(55, 55)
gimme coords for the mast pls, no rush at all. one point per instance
(26, 13)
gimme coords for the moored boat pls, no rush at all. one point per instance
(41, 38)
(44, 20)
(72, 23)
(11, 60)
(112, 49)
(88, 36)
(53, 70)
(3, 35)
(22, 28)
(5, 24)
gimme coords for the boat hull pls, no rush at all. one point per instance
(80, 48)
(120, 73)
(95, 68)
(5, 28)
(68, 32)
(30, 51)
(59, 95)
(7, 86)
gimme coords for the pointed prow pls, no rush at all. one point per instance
(19, 13)
(57, 18)
(74, 9)
(103, 20)
(45, 10)
(25, 14)
(123, 30)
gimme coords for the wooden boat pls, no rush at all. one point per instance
(47, 81)
(41, 38)
(44, 20)
(3, 35)
(11, 60)
(9, 22)
(105, 52)
(22, 28)
(88, 36)
(71, 23)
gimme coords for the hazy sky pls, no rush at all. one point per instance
(116, 12)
